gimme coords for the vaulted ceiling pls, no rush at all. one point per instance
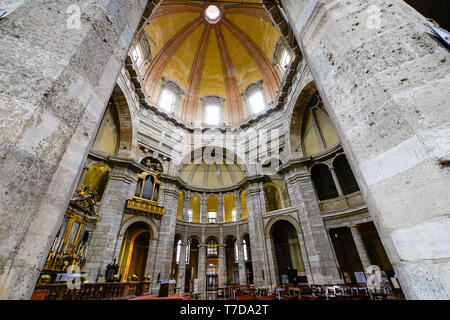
(220, 58)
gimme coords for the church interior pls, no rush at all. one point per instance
(224, 150)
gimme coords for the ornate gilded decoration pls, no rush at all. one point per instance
(146, 192)
(71, 242)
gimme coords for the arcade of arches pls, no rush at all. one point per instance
(249, 143)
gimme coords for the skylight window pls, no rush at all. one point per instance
(212, 14)
(212, 114)
(256, 101)
(167, 100)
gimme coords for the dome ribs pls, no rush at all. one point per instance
(157, 66)
(234, 102)
(195, 77)
(265, 67)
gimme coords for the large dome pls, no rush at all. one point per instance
(212, 52)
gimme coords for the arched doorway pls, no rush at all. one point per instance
(134, 253)
(288, 256)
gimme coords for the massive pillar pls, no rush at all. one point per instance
(241, 264)
(202, 270)
(105, 238)
(384, 80)
(181, 269)
(318, 252)
(51, 109)
(305, 258)
(222, 265)
(256, 207)
(272, 261)
(164, 252)
(150, 265)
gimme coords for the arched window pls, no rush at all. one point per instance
(244, 246)
(345, 175)
(212, 247)
(233, 215)
(188, 251)
(323, 182)
(178, 251)
(190, 215)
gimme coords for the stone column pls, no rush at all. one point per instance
(273, 267)
(186, 205)
(151, 258)
(405, 70)
(42, 149)
(105, 238)
(222, 265)
(181, 270)
(221, 211)
(362, 252)
(203, 209)
(255, 208)
(317, 249)
(241, 264)
(237, 205)
(202, 270)
(164, 252)
(305, 257)
(336, 182)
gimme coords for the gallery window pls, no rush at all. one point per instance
(212, 217)
(190, 215)
(233, 215)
